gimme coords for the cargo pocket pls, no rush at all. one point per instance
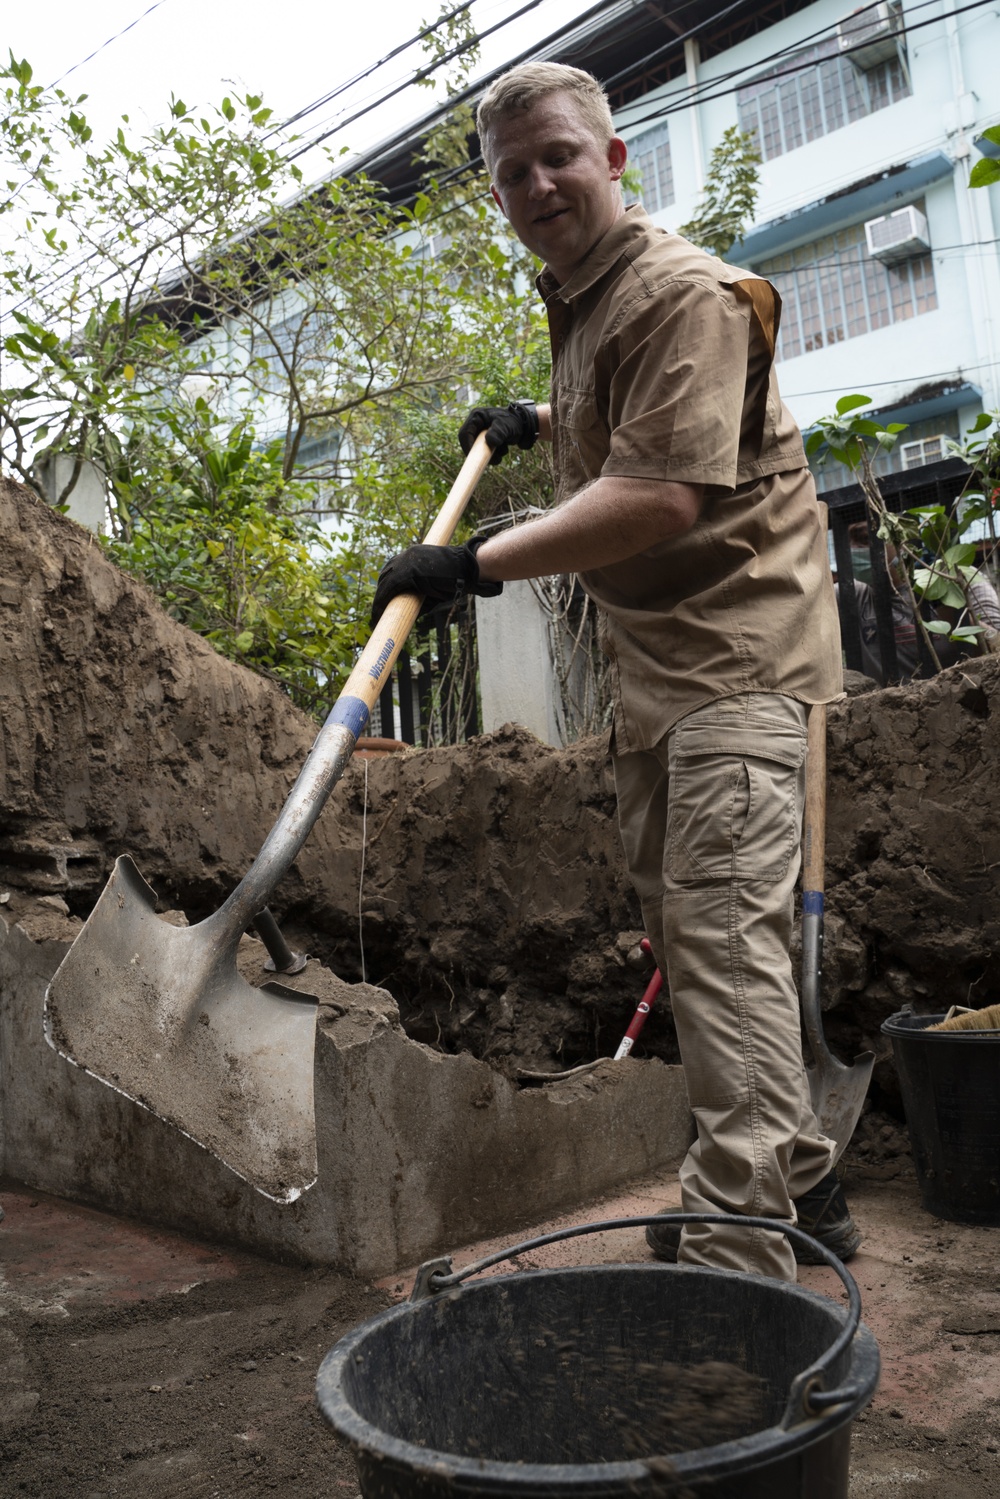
(733, 809)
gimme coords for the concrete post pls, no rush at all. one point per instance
(87, 501)
(516, 680)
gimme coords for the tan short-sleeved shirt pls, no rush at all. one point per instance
(662, 368)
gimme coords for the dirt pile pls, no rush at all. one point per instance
(492, 895)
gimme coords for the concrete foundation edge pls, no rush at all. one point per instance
(418, 1152)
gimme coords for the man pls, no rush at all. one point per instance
(687, 510)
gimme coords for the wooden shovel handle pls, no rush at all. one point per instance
(389, 635)
(347, 719)
(814, 830)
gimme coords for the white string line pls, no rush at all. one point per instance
(361, 880)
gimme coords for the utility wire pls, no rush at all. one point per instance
(691, 97)
(708, 97)
(117, 35)
(21, 185)
(373, 68)
(798, 395)
(417, 77)
(94, 254)
(822, 32)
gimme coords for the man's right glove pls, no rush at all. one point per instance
(503, 425)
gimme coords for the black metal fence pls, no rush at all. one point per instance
(935, 484)
(432, 696)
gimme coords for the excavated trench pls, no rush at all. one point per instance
(489, 896)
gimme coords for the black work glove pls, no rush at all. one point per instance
(442, 575)
(503, 425)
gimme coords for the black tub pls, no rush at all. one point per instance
(950, 1082)
(533, 1384)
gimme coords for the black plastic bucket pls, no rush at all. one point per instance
(950, 1082)
(470, 1390)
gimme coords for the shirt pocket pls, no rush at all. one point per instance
(734, 805)
(583, 436)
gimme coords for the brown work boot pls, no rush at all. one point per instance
(822, 1213)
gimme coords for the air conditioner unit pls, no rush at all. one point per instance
(869, 36)
(924, 450)
(897, 236)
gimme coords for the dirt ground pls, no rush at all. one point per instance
(134, 1362)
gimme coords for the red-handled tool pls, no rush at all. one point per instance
(645, 1005)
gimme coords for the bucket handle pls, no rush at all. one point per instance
(807, 1395)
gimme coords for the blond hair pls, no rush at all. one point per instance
(521, 88)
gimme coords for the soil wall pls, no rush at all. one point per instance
(492, 895)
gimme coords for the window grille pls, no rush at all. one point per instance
(786, 112)
(650, 153)
(832, 289)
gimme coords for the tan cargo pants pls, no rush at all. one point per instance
(711, 820)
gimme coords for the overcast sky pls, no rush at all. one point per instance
(292, 53)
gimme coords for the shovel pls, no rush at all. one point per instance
(161, 1014)
(837, 1090)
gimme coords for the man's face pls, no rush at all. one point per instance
(555, 182)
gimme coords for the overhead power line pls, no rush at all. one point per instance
(704, 97)
(416, 77)
(374, 67)
(914, 380)
(125, 29)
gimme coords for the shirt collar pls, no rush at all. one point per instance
(633, 225)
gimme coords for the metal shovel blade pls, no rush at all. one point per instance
(162, 1014)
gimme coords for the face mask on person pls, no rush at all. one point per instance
(861, 562)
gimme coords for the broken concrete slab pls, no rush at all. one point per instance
(417, 1151)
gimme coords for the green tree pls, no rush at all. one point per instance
(729, 198)
(239, 363)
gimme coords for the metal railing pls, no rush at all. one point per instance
(432, 696)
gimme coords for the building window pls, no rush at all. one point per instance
(833, 289)
(926, 438)
(650, 153)
(786, 112)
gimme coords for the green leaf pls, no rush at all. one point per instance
(984, 419)
(851, 403)
(938, 626)
(245, 641)
(984, 172)
(962, 555)
(992, 133)
(814, 442)
(897, 426)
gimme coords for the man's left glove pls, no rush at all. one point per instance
(442, 575)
